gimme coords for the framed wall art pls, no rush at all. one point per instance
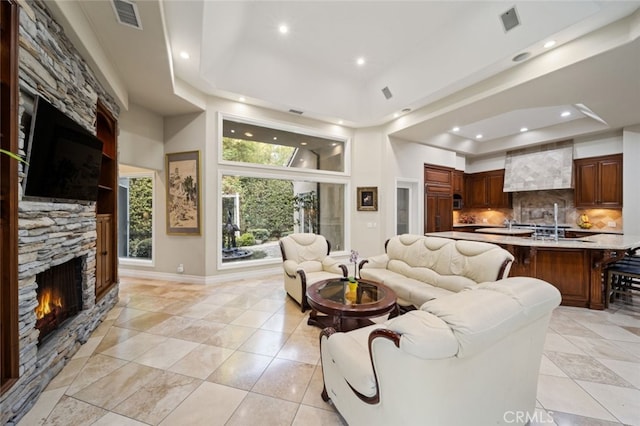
(368, 198)
(183, 193)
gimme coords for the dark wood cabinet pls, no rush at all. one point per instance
(438, 175)
(439, 216)
(9, 131)
(458, 182)
(438, 199)
(485, 190)
(598, 182)
(104, 253)
(106, 206)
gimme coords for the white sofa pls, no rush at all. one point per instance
(469, 358)
(305, 260)
(420, 268)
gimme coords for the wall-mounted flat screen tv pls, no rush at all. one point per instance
(64, 158)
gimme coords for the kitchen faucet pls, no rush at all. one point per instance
(555, 220)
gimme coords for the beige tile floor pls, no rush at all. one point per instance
(242, 354)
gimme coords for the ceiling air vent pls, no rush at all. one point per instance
(295, 111)
(510, 19)
(127, 13)
(387, 93)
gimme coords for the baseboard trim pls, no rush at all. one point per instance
(197, 279)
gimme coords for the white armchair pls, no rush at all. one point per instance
(305, 259)
(469, 358)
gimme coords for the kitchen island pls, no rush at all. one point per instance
(574, 265)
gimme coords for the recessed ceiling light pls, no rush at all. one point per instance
(184, 55)
(233, 131)
(549, 44)
(524, 129)
(303, 143)
(455, 129)
(283, 28)
(340, 122)
(248, 134)
(565, 114)
(395, 115)
(479, 136)
(334, 144)
(275, 138)
(241, 99)
(360, 61)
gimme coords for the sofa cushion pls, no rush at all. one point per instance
(492, 310)
(304, 247)
(417, 250)
(479, 261)
(424, 335)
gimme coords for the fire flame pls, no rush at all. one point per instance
(47, 302)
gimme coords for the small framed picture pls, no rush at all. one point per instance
(183, 193)
(368, 198)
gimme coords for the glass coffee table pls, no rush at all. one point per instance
(345, 308)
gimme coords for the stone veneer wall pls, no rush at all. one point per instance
(50, 234)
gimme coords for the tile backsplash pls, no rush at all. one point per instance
(537, 207)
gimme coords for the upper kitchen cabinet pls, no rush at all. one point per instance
(599, 182)
(438, 179)
(458, 182)
(485, 190)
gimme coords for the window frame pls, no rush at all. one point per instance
(287, 128)
(235, 168)
(129, 261)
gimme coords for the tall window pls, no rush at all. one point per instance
(135, 216)
(275, 182)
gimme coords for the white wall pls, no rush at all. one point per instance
(367, 227)
(483, 164)
(594, 146)
(182, 133)
(407, 160)
(141, 138)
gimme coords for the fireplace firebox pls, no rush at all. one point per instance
(59, 296)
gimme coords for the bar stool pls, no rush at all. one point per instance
(623, 278)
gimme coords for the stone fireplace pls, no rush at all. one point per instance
(59, 295)
(54, 239)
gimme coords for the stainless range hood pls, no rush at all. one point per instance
(548, 167)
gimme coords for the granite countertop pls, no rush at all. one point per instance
(598, 241)
(594, 230)
(487, 228)
(484, 225)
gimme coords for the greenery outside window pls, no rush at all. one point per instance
(135, 217)
(271, 186)
(251, 143)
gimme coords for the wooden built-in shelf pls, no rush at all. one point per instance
(106, 206)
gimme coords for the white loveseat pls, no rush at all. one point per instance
(420, 268)
(306, 260)
(469, 358)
